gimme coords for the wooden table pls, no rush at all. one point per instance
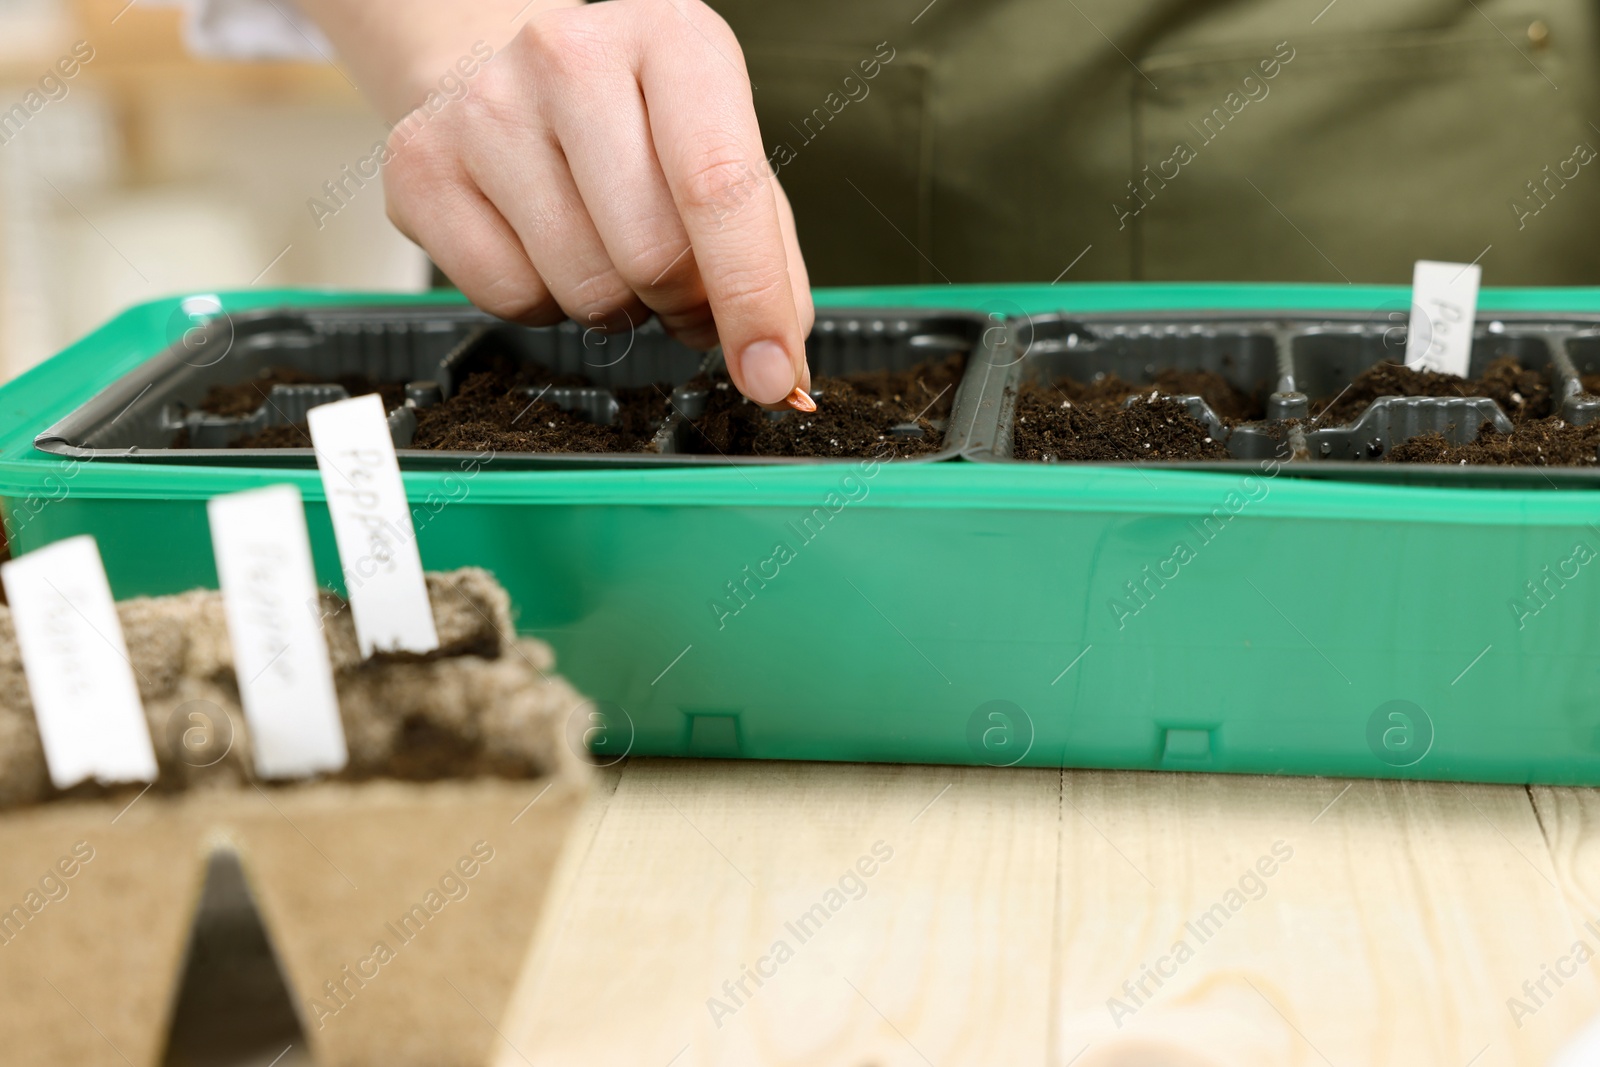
(876, 916)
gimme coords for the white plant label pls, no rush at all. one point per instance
(79, 676)
(1444, 302)
(372, 526)
(269, 592)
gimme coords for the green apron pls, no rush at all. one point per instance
(1254, 140)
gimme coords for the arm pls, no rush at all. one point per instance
(398, 50)
(605, 165)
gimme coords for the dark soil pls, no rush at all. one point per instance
(1523, 394)
(295, 435)
(1548, 442)
(1227, 400)
(246, 397)
(498, 408)
(856, 416)
(1054, 425)
(1231, 404)
(493, 411)
(1539, 438)
(1087, 421)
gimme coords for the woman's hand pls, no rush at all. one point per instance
(604, 165)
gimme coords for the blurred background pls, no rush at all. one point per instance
(151, 171)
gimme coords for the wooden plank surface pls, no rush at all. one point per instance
(901, 915)
(1570, 819)
(1306, 921)
(1321, 921)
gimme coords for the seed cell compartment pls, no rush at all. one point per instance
(154, 414)
(1290, 366)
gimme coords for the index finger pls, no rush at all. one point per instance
(710, 151)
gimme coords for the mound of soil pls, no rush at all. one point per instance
(492, 410)
(296, 435)
(243, 398)
(856, 416)
(1548, 442)
(1229, 402)
(1053, 427)
(1523, 394)
(1087, 421)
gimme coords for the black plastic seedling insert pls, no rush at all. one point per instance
(1328, 392)
(457, 383)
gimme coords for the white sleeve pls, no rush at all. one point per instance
(251, 29)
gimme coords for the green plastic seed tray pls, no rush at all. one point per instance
(1277, 611)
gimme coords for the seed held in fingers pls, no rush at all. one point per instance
(800, 400)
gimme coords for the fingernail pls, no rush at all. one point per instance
(800, 400)
(768, 374)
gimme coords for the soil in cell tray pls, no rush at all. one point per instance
(865, 414)
(243, 398)
(1077, 421)
(1539, 438)
(1549, 442)
(500, 409)
(1521, 393)
(293, 435)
